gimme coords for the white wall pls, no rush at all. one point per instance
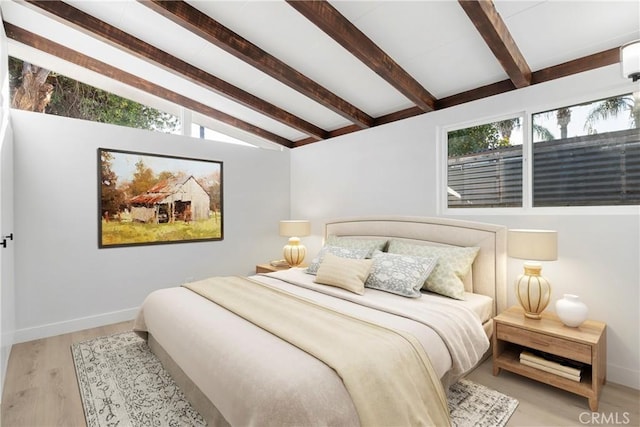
(7, 286)
(64, 282)
(392, 169)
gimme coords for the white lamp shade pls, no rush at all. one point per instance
(533, 245)
(295, 228)
(630, 60)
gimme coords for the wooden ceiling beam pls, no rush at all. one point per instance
(339, 28)
(496, 35)
(209, 29)
(475, 94)
(94, 26)
(118, 38)
(579, 65)
(586, 63)
(45, 45)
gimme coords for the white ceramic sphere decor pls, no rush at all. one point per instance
(571, 311)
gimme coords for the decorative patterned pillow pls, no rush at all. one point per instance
(338, 251)
(453, 265)
(399, 274)
(349, 274)
(354, 243)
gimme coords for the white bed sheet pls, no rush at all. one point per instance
(238, 375)
(481, 305)
(430, 340)
(465, 343)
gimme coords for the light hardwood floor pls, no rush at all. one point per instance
(544, 405)
(41, 390)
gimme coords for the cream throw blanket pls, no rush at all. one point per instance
(387, 373)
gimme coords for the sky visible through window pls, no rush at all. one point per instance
(215, 135)
(576, 126)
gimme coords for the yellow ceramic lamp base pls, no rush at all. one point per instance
(294, 252)
(533, 290)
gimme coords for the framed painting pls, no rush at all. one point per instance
(150, 199)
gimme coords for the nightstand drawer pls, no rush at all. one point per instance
(561, 347)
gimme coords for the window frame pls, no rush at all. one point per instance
(527, 207)
(442, 163)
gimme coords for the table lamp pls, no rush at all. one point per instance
(294, 252)
(532, 289)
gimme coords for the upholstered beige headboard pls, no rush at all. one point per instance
(488, 275)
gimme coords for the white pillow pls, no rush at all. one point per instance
(345, 273)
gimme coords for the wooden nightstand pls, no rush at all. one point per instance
(586, 344)
(268, 268)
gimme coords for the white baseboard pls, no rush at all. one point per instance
(6, 341)
(624, 376)
(73, 325)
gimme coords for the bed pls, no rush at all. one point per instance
(237, 373)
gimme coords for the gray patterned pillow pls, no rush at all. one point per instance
(454, 263)
(399, 274)
(337, 251)
(354, 243)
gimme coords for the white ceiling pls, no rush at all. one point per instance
(434, 41)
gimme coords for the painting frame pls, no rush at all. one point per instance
(154, 199)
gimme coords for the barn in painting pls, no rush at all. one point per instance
(174, 199)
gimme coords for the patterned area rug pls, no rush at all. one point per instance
(122, 383)
(473, 404)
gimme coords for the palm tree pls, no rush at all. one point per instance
(542, 133)
(612, 107)
(506, 127)
(563, 116)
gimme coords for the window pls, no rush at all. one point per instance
(34, 88)
(203, 132)
(588, 154)
(484, 167)
(581, 155)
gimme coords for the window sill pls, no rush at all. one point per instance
(564, 210)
